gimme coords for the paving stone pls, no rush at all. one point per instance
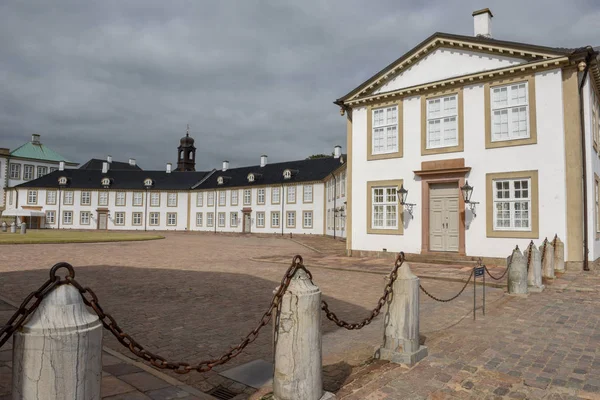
(121, 369)
(112, 386)
(144, 381)
(170, 393)
(128, 396)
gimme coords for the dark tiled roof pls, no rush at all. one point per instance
(92, 179)
(302, 171)
(96, 164)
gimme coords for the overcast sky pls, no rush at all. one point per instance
(250, 77)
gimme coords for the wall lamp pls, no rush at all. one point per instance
(402, 195)
(467, 192)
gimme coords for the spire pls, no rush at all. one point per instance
(187, 131)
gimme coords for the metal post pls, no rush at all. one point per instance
(484, 294)
(474, 297)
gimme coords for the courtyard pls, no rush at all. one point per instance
(192, 296)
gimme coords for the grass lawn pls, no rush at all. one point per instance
(67, 236)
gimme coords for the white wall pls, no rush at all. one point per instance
(336, 202)
(446, 63)
(593, 166)
(547, 156)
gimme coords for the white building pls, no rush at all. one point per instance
(29, 161)
(503, 115)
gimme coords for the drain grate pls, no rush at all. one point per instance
(222, 393)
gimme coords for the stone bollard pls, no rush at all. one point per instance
(559, 255)
(517, 273)
(534, 274)
(23, 228)
(298, 360)
(13, 228)
(401, 322)
(547, 259)
(58, 352)
(3, 226)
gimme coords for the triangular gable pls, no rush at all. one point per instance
(510, 50)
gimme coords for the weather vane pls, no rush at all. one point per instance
(187, 132)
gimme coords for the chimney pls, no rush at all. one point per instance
(482, 22)
(109, 159)
(104, 167)
(169, 165)
(263, 160)
(225, 165)
(132, 162)
(35, 138)
(61, 166)
(337, 151)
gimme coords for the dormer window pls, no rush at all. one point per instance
(62, 180)
(148, 182)
(250, 177)
(287, 174)
(220, 180)
(105, 182)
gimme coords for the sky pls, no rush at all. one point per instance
(125, 77)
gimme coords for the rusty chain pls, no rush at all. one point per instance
(529, 250)
(380, 303)
(554, 240)
(509, 263)
(453, 297)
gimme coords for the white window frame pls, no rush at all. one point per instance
(291, 195)
(86, 198)
(103, 198)
(133, 218)
(290, 216)
(343, 184)
(69, 220)
(84, 218)
(171, 219)
(233, 219)
(384, 135)
(199, 199)
(171, 199)
(120, 199)
(28, 172)
(307, 219)
(120, 218)
(15, 171)
(32, 196)
(445, 117)
(234, 197)
(199, 219)
(210, 219)
(154, 219)
(275, 219)
(307, 194)
(138, 198)
(68, 198)
(384, 202)
(41, 171)
(510, 203)
(260, 219)
(222, 198)
(496, 119)
(210, 199)
(221, 219)
(154, 199)
(260, 195)
(50, 217)
(50, 197)
(247, 197)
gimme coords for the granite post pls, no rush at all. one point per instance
(57, 354)
(298, 360)
(517, 273)
(23, 228)
(401, 321)
(534, 274)
(547, 259)
(3, 226)
(13, 228)
(559, 255)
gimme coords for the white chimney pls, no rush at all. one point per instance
(482, 22)
(337, 151)
(35, 138)
(109, 159)
(169, 165)
(225, 165)
(104, 167)
(263, 160)
(61, 166)
(132, 162)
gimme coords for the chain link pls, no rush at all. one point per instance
(544, 249)
(453, 297)
(509, 263)
(380, 303)
(529, 250)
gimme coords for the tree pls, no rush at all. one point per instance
(318, 156)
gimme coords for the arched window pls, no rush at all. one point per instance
(181, 155)
(191, 155)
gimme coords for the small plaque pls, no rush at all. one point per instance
(479, 271)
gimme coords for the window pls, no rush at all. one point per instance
(106, 181)
(41, 171)
(171, 219)
(233, 219)
(234, 197)
(337, 187)
(67, 217)
(260, 196)
(260, 219)
(329, 218)
(136, 218)
(86, 198)
(247, 197)
(210, 219)
(220, 180)
(512, 204)
(384, 212)
(597, 209)
(68, 199)
(50, 217)
(154, 218)
(343, 184)
(120, 218)
(102, 198)
(199, 199)
(221, 219)
(222, 198)
(385, 130)
(274, 219)
(442, 122)
(275, 195)
(290, 219)
(250, 177)
(210, 199)
(154, 199)
(199, 219)
(52, 169)
(307, 219)
(10, 196)
(27, 172)
(148, 183)
(308, 194)
(595, 114)
(287, 174)
(120, 199)
(32, 196)
(171, 199)
(15, 171)
(510, 114)
(138, 198)
(291, 194)
(84, 218)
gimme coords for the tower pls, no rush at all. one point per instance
(186, 153)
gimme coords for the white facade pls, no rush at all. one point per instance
(335, 214)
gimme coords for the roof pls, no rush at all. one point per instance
(272, 174)
(38, 151)
(120, 179)
(557, 51)
(96, 164)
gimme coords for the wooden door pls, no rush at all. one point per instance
(443, 217)
(102, 219)
(247, 222)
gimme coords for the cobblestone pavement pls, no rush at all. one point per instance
(191, 296)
